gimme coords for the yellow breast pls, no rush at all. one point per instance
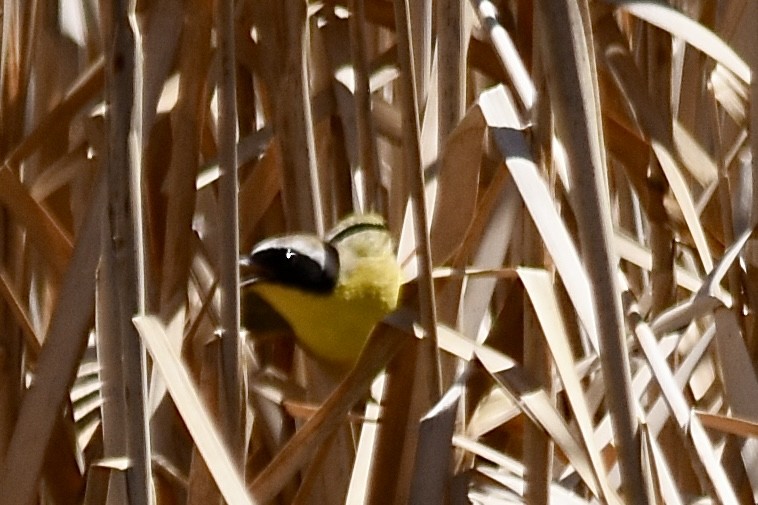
(334, 327)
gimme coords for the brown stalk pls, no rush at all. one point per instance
(64, 345)
(83, 90)
(387, 482)
(228, 285)
(369, 157)
(201, 489)
(13, 300)
(186, 116)
(382, 345)
(538, 448)
(114, 409)
(415, 174)
(752, 257)
(123, 243)
(44, 231)
(573, 92)
(451, 66)
(302, 201)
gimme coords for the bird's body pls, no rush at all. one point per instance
(331, 292)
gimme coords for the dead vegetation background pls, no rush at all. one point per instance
(571, 187)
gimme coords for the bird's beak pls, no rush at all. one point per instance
(249, 272)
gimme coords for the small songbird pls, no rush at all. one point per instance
(331, 292)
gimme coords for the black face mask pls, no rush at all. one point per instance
(291, 267)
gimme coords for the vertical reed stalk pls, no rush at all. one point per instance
(573, 92)
(229, 232)
(124, 180)
(415, 174)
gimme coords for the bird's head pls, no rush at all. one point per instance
(312, 264)
(301, 261)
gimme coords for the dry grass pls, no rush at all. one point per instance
(570, 186)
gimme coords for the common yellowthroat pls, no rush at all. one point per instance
(331, 292)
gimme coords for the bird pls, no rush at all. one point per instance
(331, 292)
